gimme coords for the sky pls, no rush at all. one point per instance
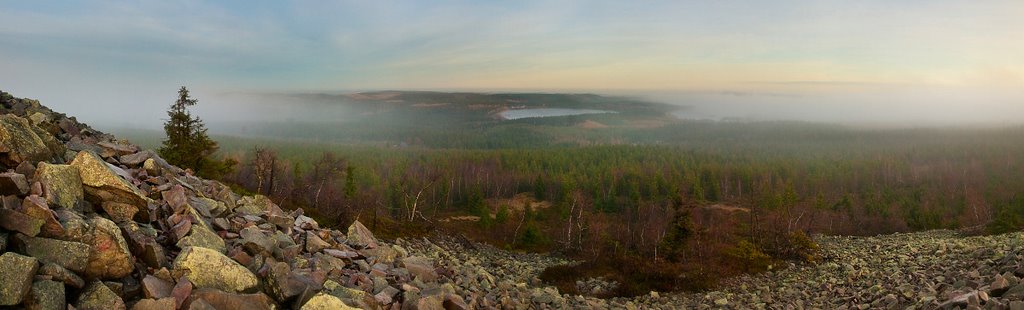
(123, 61)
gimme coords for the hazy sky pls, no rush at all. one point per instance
(125, 57)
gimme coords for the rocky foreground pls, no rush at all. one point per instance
(91, 222)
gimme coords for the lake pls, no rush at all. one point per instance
(528, 113)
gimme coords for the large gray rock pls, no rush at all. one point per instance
(209, 268)
(16, 272)
(20, 141)
(102, 184)
(62, 185)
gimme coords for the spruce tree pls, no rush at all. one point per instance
(187, 144)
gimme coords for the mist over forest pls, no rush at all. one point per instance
(452, 154)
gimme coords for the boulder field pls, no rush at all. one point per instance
(88, 221)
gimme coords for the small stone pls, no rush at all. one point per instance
(12, 183)
(1017, 305)
(1017, 292)
(455, 302)
(166, 303)
(360, 236)
(721, 302)
(99, 297)
(224, 300)
(282, 283)
(386, 295)
(119, 212)
(255, 241)
(203, 237)
(421, 267)
(61, 274)
(20, 222)
(314, 243)
(323, 301)
(46, 295)
(142, 243)
(151, 167)
(182, 291)
(36, 207)
(999, 286)
(132, 160)
(154, 287)
(16, 272)
(210, 269)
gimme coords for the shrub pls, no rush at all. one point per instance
(749, 257)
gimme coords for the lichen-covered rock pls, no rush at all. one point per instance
(71, 255)
(20, 141)
(360, 236)
(46, 295)
(323, 301)
(16, 273)
(210, 269)
(253, 205)
(109, 255)
(119, 212)
(97, 296)
(36, 207)
(62, 183)
(101, 183)
(200, 236)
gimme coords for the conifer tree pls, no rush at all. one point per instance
(187, 144)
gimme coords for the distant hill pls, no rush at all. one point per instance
(443, 119)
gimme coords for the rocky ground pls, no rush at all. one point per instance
(91, 222)
(927, 270)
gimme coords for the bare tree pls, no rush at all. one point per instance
(264, 164)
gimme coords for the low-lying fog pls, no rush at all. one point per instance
(895, 108)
